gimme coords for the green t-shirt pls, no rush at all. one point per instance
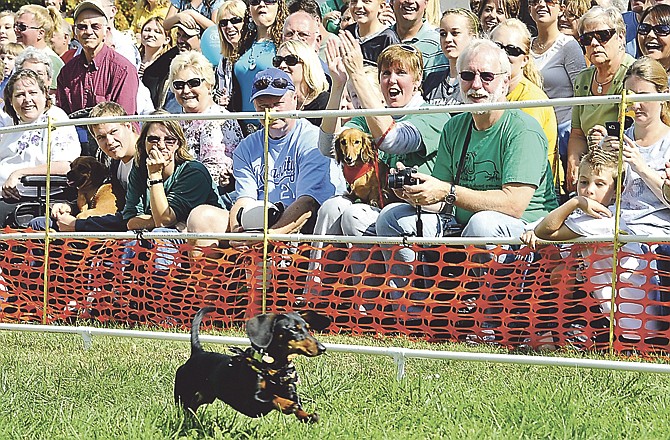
(429, 125)
(513, 150)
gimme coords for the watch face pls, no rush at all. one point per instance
(450, 199)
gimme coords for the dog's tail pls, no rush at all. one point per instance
(195, 327)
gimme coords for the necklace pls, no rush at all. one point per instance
(252, 59)
(599, 89)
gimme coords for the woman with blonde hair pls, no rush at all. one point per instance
(525, 82)
(213, 141)
(7, 34)
(154, 41)
(311, 86)
(231, 21)
(146, 9)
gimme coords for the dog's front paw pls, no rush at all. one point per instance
(311, 418)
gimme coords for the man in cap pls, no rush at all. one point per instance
(299, 177)
(98, 73)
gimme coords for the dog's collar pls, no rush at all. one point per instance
(352, 173)
(264, 365)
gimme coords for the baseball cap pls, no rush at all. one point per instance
(191, 32)
(89, 4)
(271, 82)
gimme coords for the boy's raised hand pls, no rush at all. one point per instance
(593, 208)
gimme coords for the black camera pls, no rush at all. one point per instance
(402, 177)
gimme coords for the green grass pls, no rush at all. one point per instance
(51, 388)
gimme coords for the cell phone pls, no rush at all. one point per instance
(612, 128)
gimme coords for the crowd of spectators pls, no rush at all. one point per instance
(486, 173)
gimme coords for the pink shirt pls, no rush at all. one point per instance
(109, 77)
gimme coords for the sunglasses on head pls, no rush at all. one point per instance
(487, 77)
(94, 26)
(290, 60)
(191, 83)
(546, 2)
(601, 37)
(169, 141)
(266, 81)
(258, 2)
(22, 27)
(511, 50)
(235, 20)
(661, 30)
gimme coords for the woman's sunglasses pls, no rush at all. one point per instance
(235, 20)
(169, 141)
(601, 37)
(486, 77)
(511, 50)
(290, 60)
(191, 83)
(258, 2)
(661, 30)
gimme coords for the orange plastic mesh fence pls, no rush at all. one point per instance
(552, 297)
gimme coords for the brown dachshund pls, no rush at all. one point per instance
(355, 152)
(94, 197)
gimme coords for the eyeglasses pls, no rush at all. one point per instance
(22, 27)
(95, 27)
(235, 20)
(258, 2)
(601, 37)
(191, 83)
(546, 2)
(267, 81)
(169, 141)
(487, 77)
(511, 50)
(290, 60)
(661, 30)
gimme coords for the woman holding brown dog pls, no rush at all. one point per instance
(410, 139)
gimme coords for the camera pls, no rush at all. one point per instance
(402, 177)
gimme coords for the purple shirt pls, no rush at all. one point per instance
(109, 77)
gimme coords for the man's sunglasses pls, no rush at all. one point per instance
(661, 30)
(511, 50)
(487, 77)
(290, 60)
(601, 37)
(169, 141)
(191, 83)
(94, 26)
(546, 2)
(22, 27)
(266, 81)
(258, 2)
(235, 20)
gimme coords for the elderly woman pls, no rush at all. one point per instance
(166, 182)
(23, 153)
(525, 82)
(457, 28)
(311, 86)
(211, 142)
(411, 139)
(602, 33)
(38, 62)
(653, 34)
(231, 20)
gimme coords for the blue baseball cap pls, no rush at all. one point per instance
(271, 82)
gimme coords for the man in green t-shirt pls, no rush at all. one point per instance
(504, 180)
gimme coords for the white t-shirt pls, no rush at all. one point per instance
(599, 259)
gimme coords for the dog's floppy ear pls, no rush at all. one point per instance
(339, 156)
(260, 330)
(98, 169)
(315, 321)
(367, 151)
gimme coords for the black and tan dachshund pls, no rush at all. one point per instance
(259, 379)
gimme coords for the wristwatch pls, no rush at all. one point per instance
(151, 183)
(450, 198)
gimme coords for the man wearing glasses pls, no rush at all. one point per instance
(98, 73)
(491, 173)
(299, 177)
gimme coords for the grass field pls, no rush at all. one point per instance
(51, 388)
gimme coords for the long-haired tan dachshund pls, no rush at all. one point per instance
(94, 197)
(355, 152)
